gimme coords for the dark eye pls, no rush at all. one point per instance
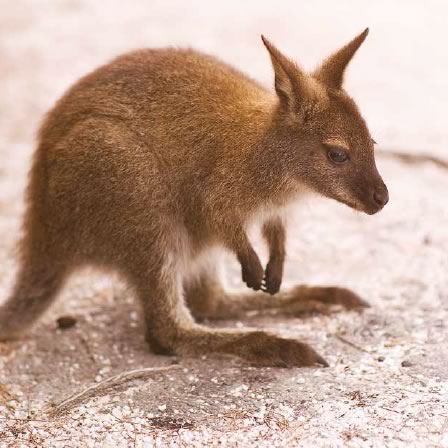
(337, 155)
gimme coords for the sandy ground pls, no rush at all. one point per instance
(388, 380)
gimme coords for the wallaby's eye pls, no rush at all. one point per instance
(337, 155)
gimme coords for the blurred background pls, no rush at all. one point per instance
(398, 78)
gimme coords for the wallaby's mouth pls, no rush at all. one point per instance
(369, 209)
(373, 211)
(370, 203)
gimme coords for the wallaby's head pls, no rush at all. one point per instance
(323, 139)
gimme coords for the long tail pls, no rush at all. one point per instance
(40, 273)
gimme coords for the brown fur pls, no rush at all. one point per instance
(151, 160)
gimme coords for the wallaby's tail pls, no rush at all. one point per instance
(41, 272)
(35, 289)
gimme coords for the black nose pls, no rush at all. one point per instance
(381, 196)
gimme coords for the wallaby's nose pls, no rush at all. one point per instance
(381, 196)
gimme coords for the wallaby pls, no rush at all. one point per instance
(150, 161)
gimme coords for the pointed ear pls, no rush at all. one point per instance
(291, 83)
(331, 71)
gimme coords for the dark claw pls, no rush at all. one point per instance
(252, 272)
(273, 275)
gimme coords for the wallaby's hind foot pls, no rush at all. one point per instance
(170, 328)
(303, 299)
(264, 349)
(258, 348)
(208, 300)
(33, 293)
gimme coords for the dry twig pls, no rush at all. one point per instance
(351, 344)
(413, 159)
(99, 388)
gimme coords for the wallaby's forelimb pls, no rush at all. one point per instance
(275, 235)
(252, 271)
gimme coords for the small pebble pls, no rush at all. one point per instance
(381, 358)
(406, 364)
(66, 322)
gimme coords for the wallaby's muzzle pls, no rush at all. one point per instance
(381, 196)
(375, 198)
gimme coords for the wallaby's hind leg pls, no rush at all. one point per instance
(172, 330)
(37, 284)
(208, 300)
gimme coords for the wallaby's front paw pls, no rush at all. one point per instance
(252, 271)
(273, 276)
(267, 350)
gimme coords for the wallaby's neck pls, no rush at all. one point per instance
(253, 160)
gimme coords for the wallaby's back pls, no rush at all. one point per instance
(172, 95)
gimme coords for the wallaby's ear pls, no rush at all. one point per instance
(291, 83)
(331, 72)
